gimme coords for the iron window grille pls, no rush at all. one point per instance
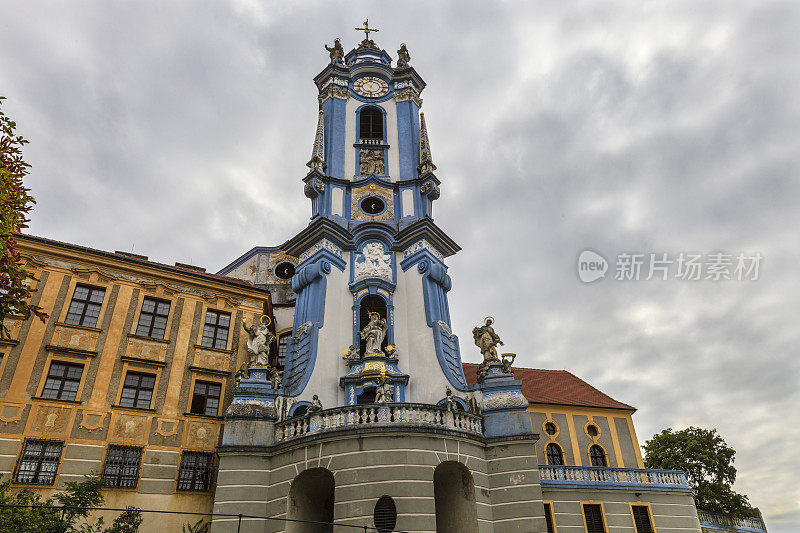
(195, 471)
(153, 318)
(205, 399)
(38, 462)
(84, 309)
(121, 468)
(554, 455)
(550, 428)
(215, 331)
(597, 456)
(63, 380)
(370, 124)
(548, 517)
(137, 391)
(641, 519)
(593, 514)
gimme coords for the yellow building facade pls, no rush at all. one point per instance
(129, 377)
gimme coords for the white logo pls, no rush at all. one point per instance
(591, 266)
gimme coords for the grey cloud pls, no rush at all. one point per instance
(183, 130)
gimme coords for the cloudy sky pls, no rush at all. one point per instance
(181, 130)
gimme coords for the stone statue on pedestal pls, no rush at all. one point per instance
(336, 52)
(487, 340)
(259, 343)
(384, 390)
(508, 360)
(403, 57)
(315, 406)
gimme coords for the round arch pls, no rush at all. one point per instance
(454, 495)
(311, 497)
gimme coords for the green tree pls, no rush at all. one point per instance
(48, 517)
(15, 203)
(708, 463)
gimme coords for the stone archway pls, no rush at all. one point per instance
(311, 497)
(454, 493)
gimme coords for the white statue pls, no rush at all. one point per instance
(259, 343)
(383, 392)
(376, 262)
(374, 333)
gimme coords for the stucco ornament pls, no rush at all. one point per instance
(275, 378)
(336, 52)
(487, 340)
(371, 162)
(374, 333)
(403, 57)
(375, 262)
(449, 403)
(259, 343)
(504, 400)
(383, 392)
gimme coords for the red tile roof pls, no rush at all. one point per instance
(555, 387)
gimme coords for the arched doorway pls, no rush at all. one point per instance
(311, 497)
(454, 494)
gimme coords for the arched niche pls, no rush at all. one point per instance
(454, 494)
(311, 497)
(372, 303)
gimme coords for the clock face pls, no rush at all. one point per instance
(370, 87)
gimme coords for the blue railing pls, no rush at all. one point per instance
(720, 522)
(613, 478)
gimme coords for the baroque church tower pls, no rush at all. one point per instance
(365, 344)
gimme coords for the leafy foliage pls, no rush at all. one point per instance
(15, 203)
(708, 463)
(48, 517)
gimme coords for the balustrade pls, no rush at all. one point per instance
(375, 415)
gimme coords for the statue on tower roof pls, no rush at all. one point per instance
(336, 52)
(403, 57)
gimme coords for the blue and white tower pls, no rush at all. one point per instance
(373, 403)
(372, 245)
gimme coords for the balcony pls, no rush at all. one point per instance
(598, 477)
(716, 522)
(387, 416)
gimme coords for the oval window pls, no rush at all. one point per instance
(385, 515)
(550, 428)
(284, 270)
(591, 429)
(372, 205)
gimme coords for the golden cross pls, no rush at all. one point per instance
(366, 29)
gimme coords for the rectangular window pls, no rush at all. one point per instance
(641, 519)
(593, 514)
(62, 381)
(215, 332)
(85, 306)
(137, 391)
(548, 517)
(195, 471)
(121, 469)
(205, 400)
(153, 318)
(38, 462)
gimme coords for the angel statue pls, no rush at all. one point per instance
(336, 51)
(259, 343)
(374, 333)
(508, 360)
(487, 340)
(383, 392)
